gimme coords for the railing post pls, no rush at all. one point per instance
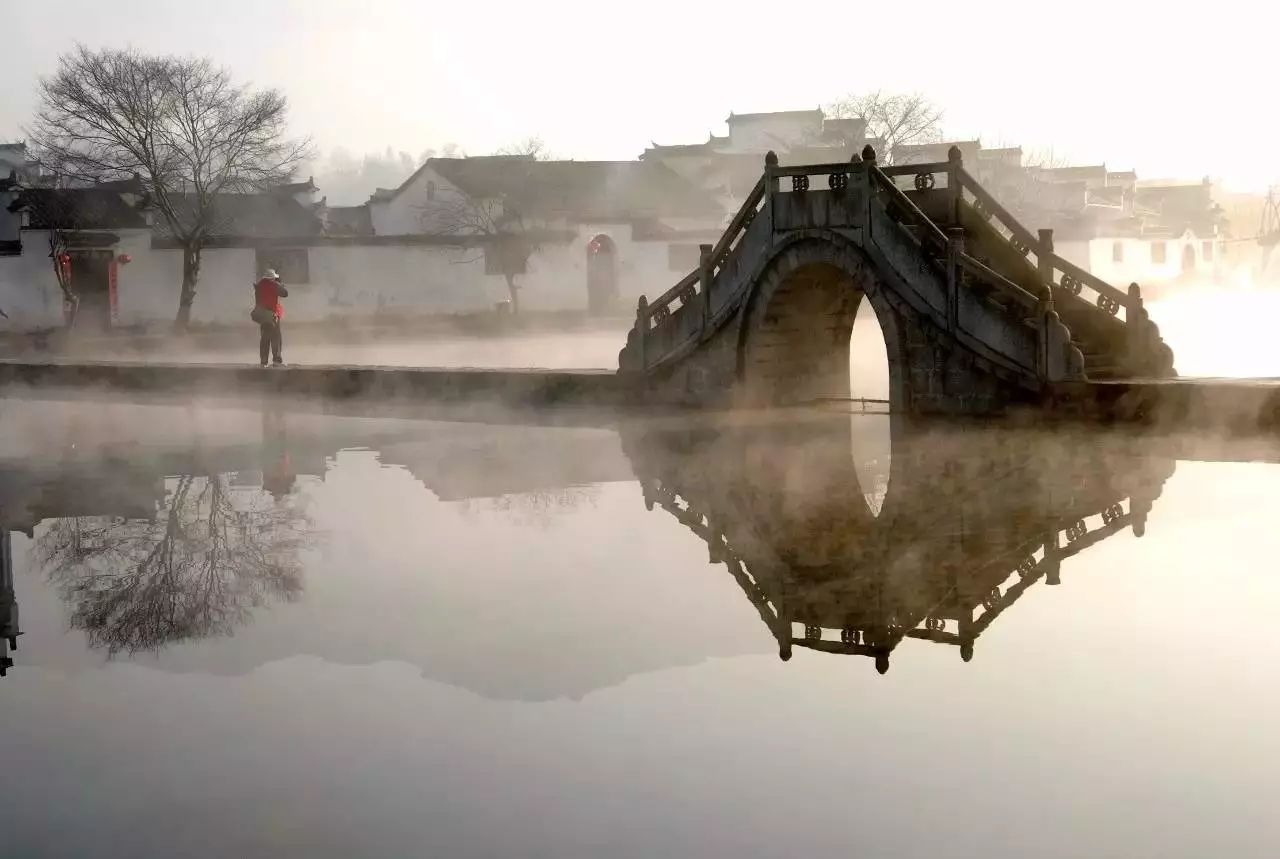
(953, 182)
(770, 186)
(704, 283)
(1044, 262)
(770, 180)
(1042, 345)
(1134, 310)
(1052, 563)
(868, 157)
(1136, 326)
(642, 331)
(955, 250)
(1044, 270)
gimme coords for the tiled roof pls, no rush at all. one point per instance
(77, 209)
(255, 216)
(347, 221)
(776, 114)
(584, 190)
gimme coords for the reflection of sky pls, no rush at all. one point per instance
(547, 675)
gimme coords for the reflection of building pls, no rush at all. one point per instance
(462, 461)
(969, 524)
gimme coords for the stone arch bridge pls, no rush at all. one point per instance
(977, 312)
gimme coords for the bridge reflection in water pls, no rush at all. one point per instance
(972, 518)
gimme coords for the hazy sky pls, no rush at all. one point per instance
(1186, 90)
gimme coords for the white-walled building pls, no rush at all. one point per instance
(589, 235)
(595, 236)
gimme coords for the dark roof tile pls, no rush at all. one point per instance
(584, 190)
(254, 216)
(77, 209)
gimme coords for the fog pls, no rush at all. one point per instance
(674, 592)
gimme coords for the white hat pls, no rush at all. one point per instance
(271, 273)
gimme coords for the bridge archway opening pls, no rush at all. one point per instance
(869, 427)
(819, 330)
(796, 338)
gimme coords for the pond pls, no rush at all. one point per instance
(252, 631)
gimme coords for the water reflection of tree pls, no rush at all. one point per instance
(209, 556)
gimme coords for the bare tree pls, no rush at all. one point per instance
(897, 119)
(533, 147)
(1045, 158)
(179, 123)
(196, 570)
(61, 218)
(505, 235)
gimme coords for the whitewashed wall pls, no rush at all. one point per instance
(29, 290)
(344, 280)
(1139, 266)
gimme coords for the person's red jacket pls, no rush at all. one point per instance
(268, 293)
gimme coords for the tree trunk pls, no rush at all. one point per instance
(70, 300)
(514, 292)
(71, 303)
(190, 274)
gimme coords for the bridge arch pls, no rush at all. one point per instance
(794, 335)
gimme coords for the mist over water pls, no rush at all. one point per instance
(485, 616)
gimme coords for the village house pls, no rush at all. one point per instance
(573, 236)
(729, 166)
(1103, 220)
(570, 235)
(467, 235)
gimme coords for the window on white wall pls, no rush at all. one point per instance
(291, 264)
(1159, 253)
(1117, 251)
(431, 190)
(1206, 249)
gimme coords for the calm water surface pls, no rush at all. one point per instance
(267, 632)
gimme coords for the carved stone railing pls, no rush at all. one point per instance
(1062, 276)
(1062, 280)
(696, 285)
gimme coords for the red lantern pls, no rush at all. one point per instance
(594, 247)
(124, 259)
(65, 262)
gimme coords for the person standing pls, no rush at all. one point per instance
(267, 312)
